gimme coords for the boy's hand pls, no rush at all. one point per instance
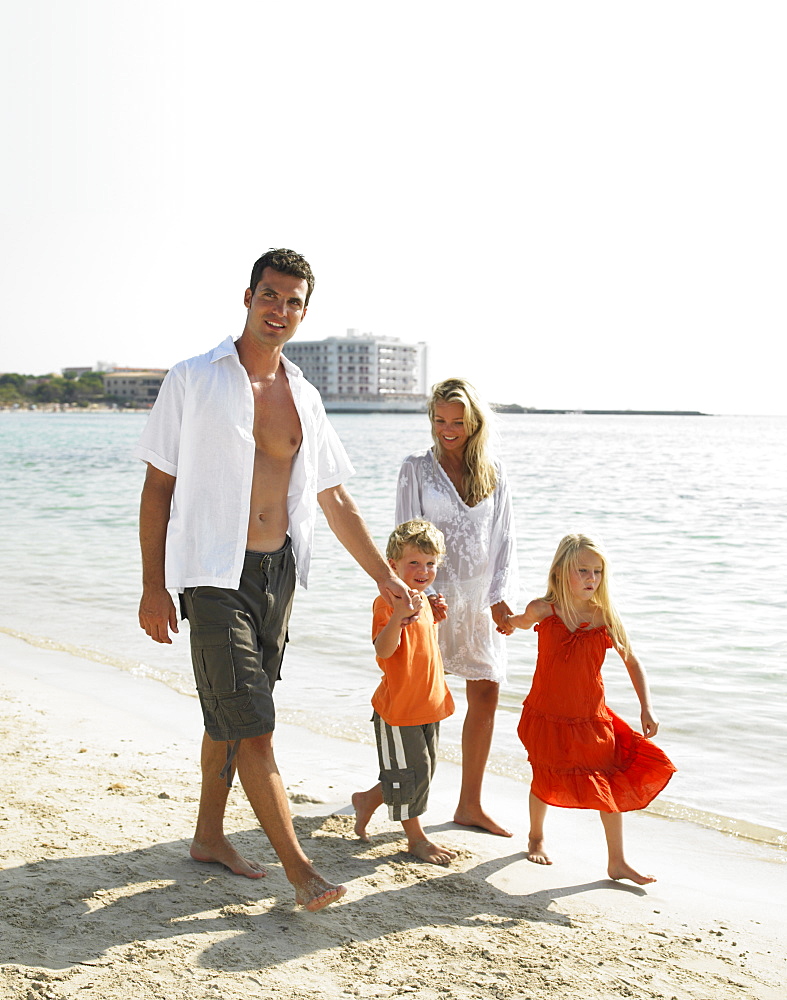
(439, 607)
(409, 617)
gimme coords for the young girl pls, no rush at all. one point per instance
(584, 756)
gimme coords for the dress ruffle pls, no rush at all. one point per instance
(620, 769)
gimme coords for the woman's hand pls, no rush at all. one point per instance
(500, 615)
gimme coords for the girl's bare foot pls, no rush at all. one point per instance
(623, 870)
(536, 852)
(465, 817)
(223, 853)
(315, 894)
(425, 850)
(364, 806)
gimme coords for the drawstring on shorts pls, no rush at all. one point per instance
(226, 771)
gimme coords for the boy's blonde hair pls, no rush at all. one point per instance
(422, 534)
(479, 478)
(559, 591)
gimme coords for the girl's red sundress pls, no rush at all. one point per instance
(584, 756)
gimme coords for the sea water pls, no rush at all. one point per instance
(692, 511)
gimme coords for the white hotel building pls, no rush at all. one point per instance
(361, 372)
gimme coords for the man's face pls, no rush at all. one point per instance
(276, 308)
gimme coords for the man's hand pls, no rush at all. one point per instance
(439, 607)
(393, 589)
(409, 615)
(157, 613)
(500, 615)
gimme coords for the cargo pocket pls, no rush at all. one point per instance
(211, 655)
(398, 786)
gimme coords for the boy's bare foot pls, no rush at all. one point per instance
(425, 850)
(315, 894)
(536, 852)
(364, 811)
(223, 853)
(480, 819)
(620, 871)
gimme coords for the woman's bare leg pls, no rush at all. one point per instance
(476, 741)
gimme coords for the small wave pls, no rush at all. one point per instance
(175, 681)
(724, 824)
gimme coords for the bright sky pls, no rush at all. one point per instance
(575, 204)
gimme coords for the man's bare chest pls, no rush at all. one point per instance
(277, 427)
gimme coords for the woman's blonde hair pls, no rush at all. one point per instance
(559, 591)
(479, 478)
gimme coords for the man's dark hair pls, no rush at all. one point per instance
(287, 262)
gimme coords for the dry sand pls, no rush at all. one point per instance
(100, 899)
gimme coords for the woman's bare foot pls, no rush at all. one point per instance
(623, 870)
(223, 853)
(364, 805)
(536, 852)
(315, 894)
(425, 850)
(480, 819)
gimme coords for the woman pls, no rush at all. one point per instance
(459, 487)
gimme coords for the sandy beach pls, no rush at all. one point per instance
(100, 898)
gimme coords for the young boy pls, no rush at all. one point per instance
(412, 697)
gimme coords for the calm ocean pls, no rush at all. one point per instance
(693, 512)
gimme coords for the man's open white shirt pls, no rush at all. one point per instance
(200, 430)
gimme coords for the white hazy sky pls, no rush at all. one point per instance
(576, 204)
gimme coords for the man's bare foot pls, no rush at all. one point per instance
(623, 870)
(425, 850)
(223, 853)
(315, 894)
(536, 852)
(480, 819)
(364, 810)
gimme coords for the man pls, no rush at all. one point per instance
(239, 452)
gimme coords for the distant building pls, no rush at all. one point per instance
(140, 385)
(75, 372)
(363, 372)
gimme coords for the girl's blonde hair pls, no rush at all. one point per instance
(479, 478)
(559, 591)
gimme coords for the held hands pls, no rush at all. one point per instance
(393, 590)
(405, 615)
(156, 614)
(439, 607)
(501, 616)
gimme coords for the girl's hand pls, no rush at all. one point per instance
(650, 724)
(439, 607)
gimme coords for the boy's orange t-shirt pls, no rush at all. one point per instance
(412, 691)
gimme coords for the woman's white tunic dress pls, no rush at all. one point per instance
(480, 567)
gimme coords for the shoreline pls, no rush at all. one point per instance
(501, 761)
(101, 791)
